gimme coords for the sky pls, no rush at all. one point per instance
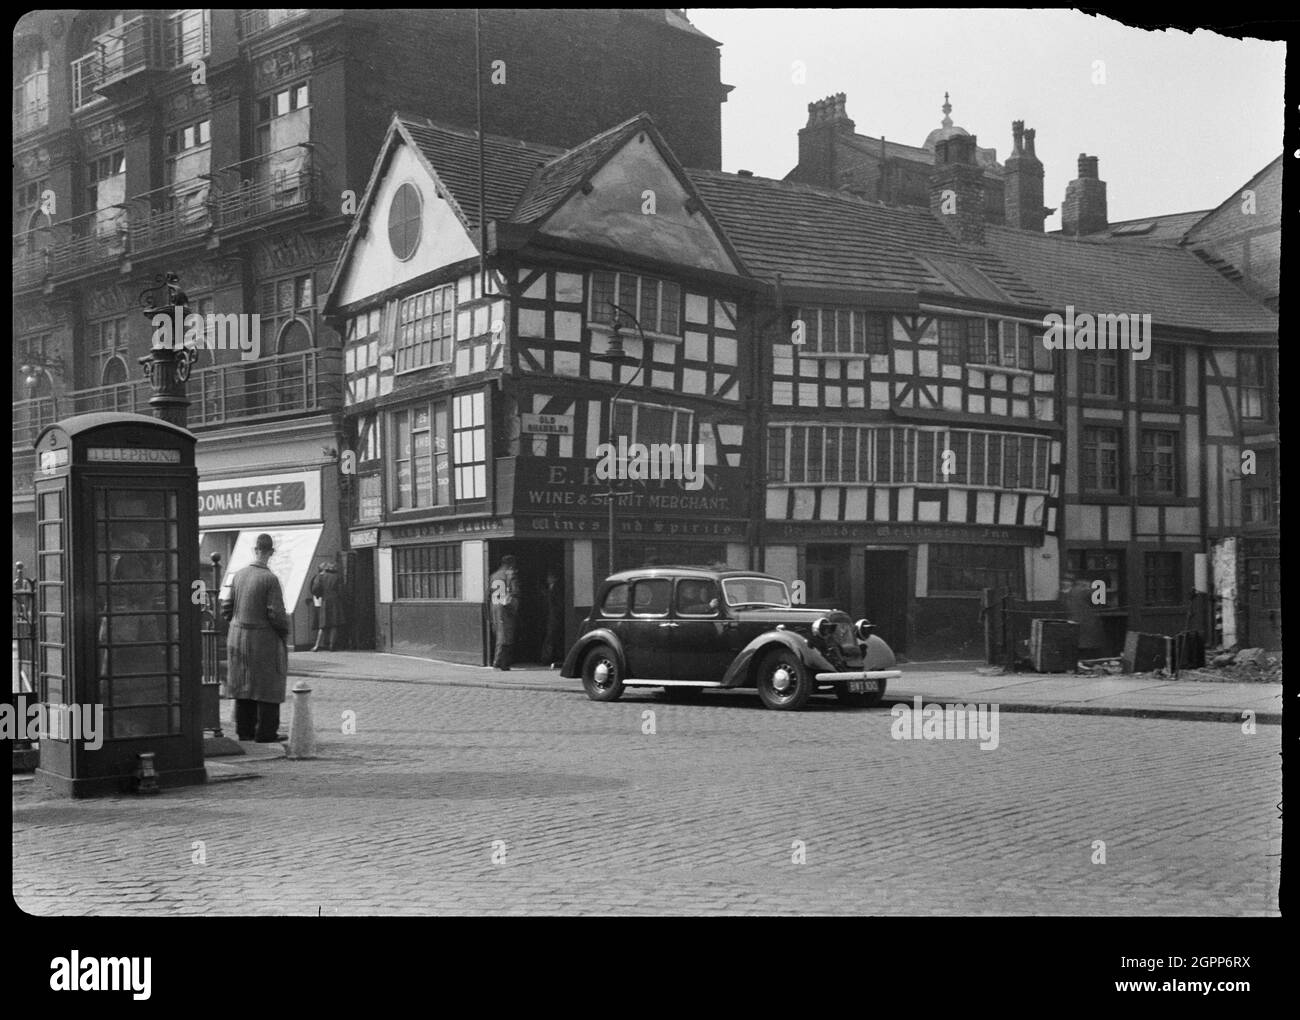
(1178, 120)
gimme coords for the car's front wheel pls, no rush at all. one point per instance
(860, 700)
(784, 681)
(602, 676)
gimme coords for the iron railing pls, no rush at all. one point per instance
(263, 186)
(286, 384)
(101, 236)
(30, 416)
(137, 45)
(29, 116)
(168, 214)
(30, 264)
(253, 22)
(121, 397)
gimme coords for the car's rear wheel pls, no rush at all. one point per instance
(860, 700)
(602, 675)
(783, 681)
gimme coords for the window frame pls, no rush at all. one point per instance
(437, 574)
(602, 320)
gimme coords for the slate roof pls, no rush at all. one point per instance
(818, 237)
(1172, 284)
(1167, 229)
(453, 154)
(553, 181)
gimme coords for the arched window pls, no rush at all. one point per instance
(31, 81)
(40, 232)
(291, 365)
(114, 372)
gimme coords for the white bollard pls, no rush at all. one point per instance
(302, 734)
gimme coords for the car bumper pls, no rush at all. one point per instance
(870, 674)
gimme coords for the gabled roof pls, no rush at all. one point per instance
(1170, 283)
(452, 154)
(1234, 196)
(822, 238)
(558, 178)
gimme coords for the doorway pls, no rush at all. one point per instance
(533, 560)
(885, 594)
(362, 601)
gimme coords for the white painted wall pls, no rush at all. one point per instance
(443, 240)
(472, 556)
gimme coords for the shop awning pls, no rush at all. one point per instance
(295, 552)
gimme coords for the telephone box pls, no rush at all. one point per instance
(117, 617)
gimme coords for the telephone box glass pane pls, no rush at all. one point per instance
(141, 722)
(138, 594)
(141, 690)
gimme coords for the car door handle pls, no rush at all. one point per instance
(670, 624)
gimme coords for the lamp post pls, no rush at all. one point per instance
(36, 366)
(616, 356)
(168, 366)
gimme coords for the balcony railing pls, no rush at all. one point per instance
(169, 214)
(30, 117)
(264, 186)
(268, 387)
(30, 263)
(119, 53)
(30, 416)
(122, 397)
(99, 237)
(188, 36)
(253, 22)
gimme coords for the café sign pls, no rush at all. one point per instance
(260, 500)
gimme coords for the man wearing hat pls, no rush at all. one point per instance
(257, 650)
(504, 593)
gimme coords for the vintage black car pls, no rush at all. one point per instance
(687, 629)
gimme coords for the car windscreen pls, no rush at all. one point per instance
(756, 591)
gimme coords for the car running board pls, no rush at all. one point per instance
(671, 683)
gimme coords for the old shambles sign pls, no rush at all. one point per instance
(566, 495)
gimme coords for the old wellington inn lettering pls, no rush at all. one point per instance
(1105, 332)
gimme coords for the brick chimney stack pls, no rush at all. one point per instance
(1024, 182)
(957, 188)
(1084, 211)
(827, 119)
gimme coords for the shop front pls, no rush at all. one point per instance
(432, 576)
(920, 583)
(288, 507)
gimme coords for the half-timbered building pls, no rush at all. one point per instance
(476, 388)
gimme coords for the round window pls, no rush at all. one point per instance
(404, 222)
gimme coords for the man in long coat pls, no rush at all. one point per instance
(328, 587)
(504, 592)
(257, 649)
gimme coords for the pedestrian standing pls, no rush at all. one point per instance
(327, 589)
(257, 647)
(503, 591)
(553, 646)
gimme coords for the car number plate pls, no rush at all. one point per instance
(864, 686)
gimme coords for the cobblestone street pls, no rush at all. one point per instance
(452, 800)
